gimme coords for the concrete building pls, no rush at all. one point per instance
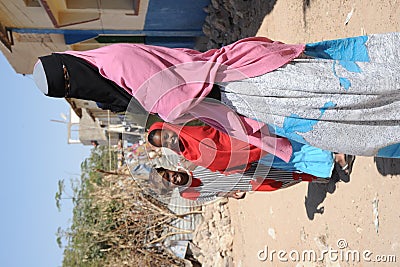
(32, 28)
(86, 122)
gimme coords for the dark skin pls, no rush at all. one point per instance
(181, 178)
(167, 138)
(176, 178)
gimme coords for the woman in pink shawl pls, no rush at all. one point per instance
(169, 82)
(342, 98)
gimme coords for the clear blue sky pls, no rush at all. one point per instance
(35, 155)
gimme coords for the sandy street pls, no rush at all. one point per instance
(311, 217)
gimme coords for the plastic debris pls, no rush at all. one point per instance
(271, 233)
(303, 235)
(363, 32)
(320, 241)
(375, 212)
(349, 16)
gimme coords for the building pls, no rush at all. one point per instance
(32, 28)
(86, 122)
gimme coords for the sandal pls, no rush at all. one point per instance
(345, 171)
(348, 168)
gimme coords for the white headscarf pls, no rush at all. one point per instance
(39, 76)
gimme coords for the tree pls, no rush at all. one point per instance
(114, 223)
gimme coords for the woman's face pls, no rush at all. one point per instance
(166, 138)
(175, 178)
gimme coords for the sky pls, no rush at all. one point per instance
(35, 155)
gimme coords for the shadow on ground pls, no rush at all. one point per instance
(316, 193)
(230, 20)
(387, 166)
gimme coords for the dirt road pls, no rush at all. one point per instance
(309, 217)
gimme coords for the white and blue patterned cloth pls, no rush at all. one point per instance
(306, 159)
(215, 182)
(343, 96)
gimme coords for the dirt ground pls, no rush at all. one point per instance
(356, 216)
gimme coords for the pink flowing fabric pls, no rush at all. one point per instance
(172, 82)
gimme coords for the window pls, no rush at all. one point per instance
(32, 3)
(104, 4)
(6, 37)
